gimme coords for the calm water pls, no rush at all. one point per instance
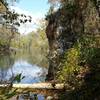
(11, 65)
(14, 64)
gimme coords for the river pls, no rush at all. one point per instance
(21, 63)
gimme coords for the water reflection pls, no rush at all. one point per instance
(31, 72)
(30, 96)
(12, 65)
(6, 61)
(9, 66)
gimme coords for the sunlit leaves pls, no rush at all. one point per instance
(70, 63)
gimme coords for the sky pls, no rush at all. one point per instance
(37, 9)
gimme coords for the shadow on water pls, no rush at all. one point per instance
(12, 65)
(6, 62)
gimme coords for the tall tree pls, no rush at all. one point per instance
(73, 21)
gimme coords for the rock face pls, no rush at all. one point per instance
(65, 26)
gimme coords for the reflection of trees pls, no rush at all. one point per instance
(6, 61)
(3, 74)
(35, 45)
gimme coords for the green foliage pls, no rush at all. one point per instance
(7, 93)
(10, 94)
(70, 67)
(18, 78)
(89, 49)
(34, 45)
(80, 69)
(9, 25)
(39, 43)
(79, 37)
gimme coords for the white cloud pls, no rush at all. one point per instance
(28, 27)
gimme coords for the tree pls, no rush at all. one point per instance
(9, 25)
(73, 33)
